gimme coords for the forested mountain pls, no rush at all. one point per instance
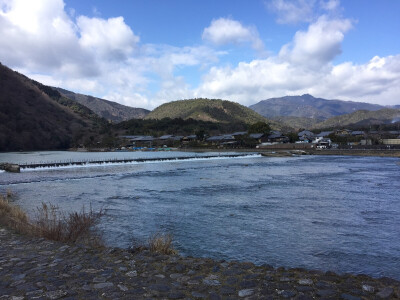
(35, 117)
(109, 110)
(218, 111)
(361, 118)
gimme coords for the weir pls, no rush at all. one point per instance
(121, 161)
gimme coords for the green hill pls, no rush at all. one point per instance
(218, 111)
(361, 118)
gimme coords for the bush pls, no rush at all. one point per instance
(157, 243)
(51, 223)
(13, 216)
(74, 227)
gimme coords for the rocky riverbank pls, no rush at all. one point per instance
(32, 268)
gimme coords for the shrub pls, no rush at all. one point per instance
(157, 243)
(13, 216)
(51, 223)
(73, 227)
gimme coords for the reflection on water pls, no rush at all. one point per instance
(329, 213)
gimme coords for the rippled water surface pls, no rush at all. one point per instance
(328, 213)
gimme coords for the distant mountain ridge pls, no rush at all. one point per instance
(106, 109)
(361, 118)
(213, 110)
(307, 106)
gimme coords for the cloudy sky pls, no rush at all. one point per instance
(143, 53)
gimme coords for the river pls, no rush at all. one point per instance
(338, 213)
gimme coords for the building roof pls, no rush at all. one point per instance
(306, 133)
(275, 136)
(357, 132)
(324, 133)
(239, 133)
(143, 138)
(226, 137)
(193, 136)
(165, 137)
(256, 135)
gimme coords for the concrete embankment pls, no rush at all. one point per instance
(32, 268)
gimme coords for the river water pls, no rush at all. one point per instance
(338, 213)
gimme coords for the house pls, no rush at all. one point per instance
(306, 136)
(324, 143)
(221, 139)
(143, 141)
(259, 137)
(278, 138)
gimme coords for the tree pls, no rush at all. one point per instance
(260, 127)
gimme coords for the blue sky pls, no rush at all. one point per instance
(143, 53)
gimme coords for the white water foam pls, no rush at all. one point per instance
(169, 160)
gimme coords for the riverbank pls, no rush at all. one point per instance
(32, 268)
(280, 152)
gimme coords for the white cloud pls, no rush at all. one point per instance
(320, 44)
(111, 39)
(330, 5)
(306, 67)
(105, 58)
(97, 56)
(227, 31)
(292, 11)
(302, 11)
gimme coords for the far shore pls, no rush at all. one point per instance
(281, 152)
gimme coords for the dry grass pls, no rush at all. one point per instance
(161, 243)
(51, 223)
(74, 227)
(158, 243)
(13, 216)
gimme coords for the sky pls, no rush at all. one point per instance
(143, 53)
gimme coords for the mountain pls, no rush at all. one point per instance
(35, 117)
(309, 107)
(362, 118)
(218, 111)
(297, 123)
(106, 109)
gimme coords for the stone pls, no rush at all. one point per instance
(56, 294)
(227, 290)
(305, 282)
(159, 287)
(349, 297)
(326, 293)
(99, 279)
(211, 282)
(176, 295)
(368, 288)
(131, 274)
(122, 287)
(103, 285)
(385, 293)
(198, 295)
(245, 292)
(287, 294)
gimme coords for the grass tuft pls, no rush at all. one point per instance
(51, 223)
(157, 243)
(162, 244)
(13, 216)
